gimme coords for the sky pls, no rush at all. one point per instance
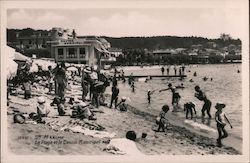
(119, 22)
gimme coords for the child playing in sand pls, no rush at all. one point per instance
(149, 95)
(189, 107)
(122, 105)
(42, 110)
(221, 119)
(161, 120)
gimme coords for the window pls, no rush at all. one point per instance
(60, 53)
(82, 53)
(71, 53)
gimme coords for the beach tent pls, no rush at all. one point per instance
(21, 57)
(43, 63)
(11, 65)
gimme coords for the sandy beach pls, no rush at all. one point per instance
(43, 139)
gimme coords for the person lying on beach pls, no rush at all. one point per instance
(161, 120)
(122, 105)
(221, 120)
(189, 107)
(200, 95)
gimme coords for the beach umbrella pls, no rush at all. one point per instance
(72, 69)
(34, 67)
(11, 69)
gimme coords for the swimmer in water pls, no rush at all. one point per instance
(200, 95)
(180, 86)
(149, 95)
(189, 107)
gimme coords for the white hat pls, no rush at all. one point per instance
(124, 98)
(41, 100)
(148, 90)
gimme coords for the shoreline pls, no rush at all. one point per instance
(177, 140)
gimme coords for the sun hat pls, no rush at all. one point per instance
(148, 90)
(220, 105)
(124, 98)
(87, 69)
(41, 100)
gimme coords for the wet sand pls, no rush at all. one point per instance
(176, 141)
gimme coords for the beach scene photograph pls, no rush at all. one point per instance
(124, 81)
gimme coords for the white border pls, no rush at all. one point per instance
(7, 157)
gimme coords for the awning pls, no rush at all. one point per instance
(21, 57)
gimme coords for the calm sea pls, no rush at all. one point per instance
(226, 87)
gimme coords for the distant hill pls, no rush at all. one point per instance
(151, 43)
(164, 42)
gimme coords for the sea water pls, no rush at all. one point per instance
(225, 86)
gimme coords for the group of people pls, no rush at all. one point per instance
(94, 86)
(181, 69)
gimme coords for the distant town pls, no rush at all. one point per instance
(60, 44)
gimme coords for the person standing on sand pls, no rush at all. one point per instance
(161, 119)
(115, 94)
(207, 103)
(162, 70)
(221, 119)
(61, 80)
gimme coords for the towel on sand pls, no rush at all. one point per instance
(122, 146)
(93, 133)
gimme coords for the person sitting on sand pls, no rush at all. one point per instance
(82, 111)
(122, 105)
(221, 119)
(189, 107)
(161, 119)
(42, 110)
(60, 106)
(195, 74)
(207, 103)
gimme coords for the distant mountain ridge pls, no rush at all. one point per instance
(150, 43)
